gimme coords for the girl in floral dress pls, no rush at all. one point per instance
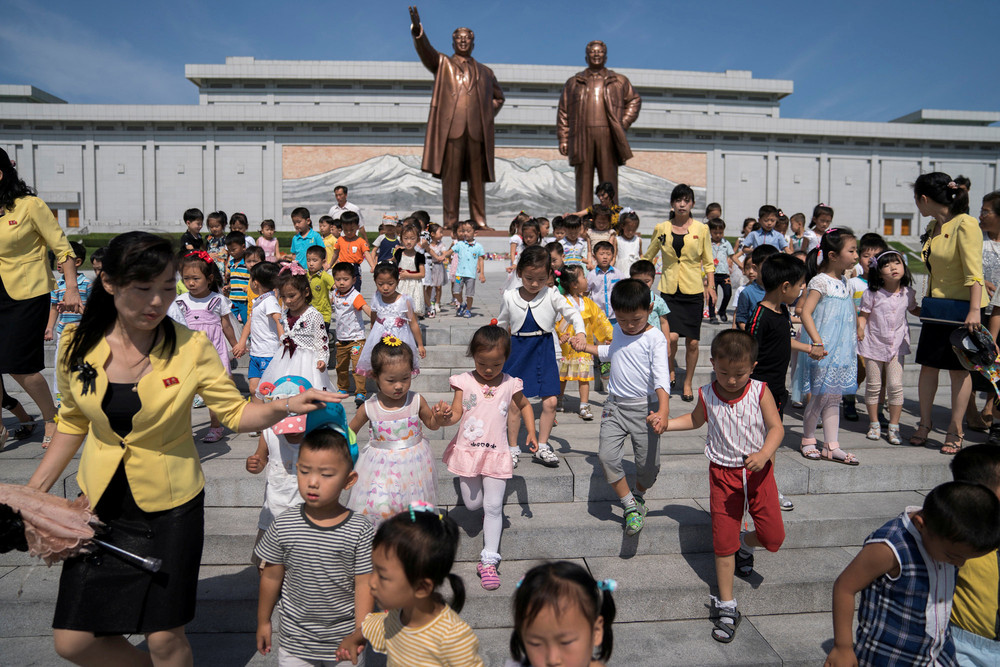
(397, 466)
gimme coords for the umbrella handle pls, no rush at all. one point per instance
(148, 564)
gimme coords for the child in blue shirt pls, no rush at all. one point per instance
(767, 216)
(305, 236)
(471, 259)
(754, 292)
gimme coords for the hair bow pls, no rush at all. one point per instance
(200, 254)
(557, 273)
(391, 341)
(421, 506)
(832, 229)
(493, 322)
(607, 585)
(953, 185)
(294, 268)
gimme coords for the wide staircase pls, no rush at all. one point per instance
(664, 575)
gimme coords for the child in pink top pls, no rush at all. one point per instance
(479, 453)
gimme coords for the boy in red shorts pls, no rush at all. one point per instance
(744, 431)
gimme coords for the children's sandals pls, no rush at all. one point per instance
(725, 621)
(744, 564)
(808, 449)
(832, 452)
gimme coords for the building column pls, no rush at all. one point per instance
(149, 180)
(824, 177)
(208, 175)
(88, 203)
(26, 163)
(875, 194)
(771, 184)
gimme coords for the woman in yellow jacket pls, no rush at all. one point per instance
(685, 248)
(27, 231)
(953, 253)
(128, 377)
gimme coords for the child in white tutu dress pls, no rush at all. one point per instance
(392, 315)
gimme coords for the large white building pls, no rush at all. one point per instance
(267, 136)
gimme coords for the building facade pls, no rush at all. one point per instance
(267, 136)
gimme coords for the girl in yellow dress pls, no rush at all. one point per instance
(575, 365)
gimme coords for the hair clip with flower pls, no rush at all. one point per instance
(391, 341)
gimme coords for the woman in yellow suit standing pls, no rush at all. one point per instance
(685, 246)
(128, 376)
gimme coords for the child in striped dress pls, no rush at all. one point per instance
(744, 431)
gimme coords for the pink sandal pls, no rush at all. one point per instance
(214, 434)
(832, 452)
(488, 576)
(808, 449)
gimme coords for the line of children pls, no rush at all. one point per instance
(579, 366)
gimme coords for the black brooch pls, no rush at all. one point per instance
(87, 375)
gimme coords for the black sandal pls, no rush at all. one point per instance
(24, 430)
(724, 632)
(687, 398)
(744, 564)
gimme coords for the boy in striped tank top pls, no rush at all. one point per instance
(744, 431)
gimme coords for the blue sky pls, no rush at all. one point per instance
(850, 60)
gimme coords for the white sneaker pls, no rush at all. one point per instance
(585, 413)
(514, 457)
(894, 438)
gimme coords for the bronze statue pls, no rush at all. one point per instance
(597, 106)
(458, 145)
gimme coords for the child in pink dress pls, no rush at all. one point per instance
(479, 453)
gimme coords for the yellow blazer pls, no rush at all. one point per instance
(682, 274)
(161, 463)
(26, 234)
(956, 260)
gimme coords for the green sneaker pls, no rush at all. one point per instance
(634, 519)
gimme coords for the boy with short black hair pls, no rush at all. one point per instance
(558, 229)
(385, 244)
(470, 258)
(349, 307)
(754, 291)
(329, 240)
(744, 432)
(767, 217)
(305, 236)
(905, 573)
(191, 239)
(237, 274)
(317, 558)
(722, 252)
(320, 283)
(638, 403)
(602, 279)
(974, 620)
(265, 332)
(713, 211)
(351, 247)
(645, 271)
(574, 246)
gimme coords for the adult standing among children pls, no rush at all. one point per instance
(28, 230)
(685, 247)
(128, 377)
(953, 253)
(342, 206)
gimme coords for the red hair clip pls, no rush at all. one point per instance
(202, 255)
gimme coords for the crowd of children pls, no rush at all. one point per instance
(577, 306)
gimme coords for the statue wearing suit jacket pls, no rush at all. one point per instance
(597, 106)
(459, 141)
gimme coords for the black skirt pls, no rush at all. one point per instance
(686, 313)
(102, 594)
(934, 348)
(22, 333)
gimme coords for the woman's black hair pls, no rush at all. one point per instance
(941, 189)
(386, 269)
(875, 282)
(487, 338)
(568, 275)
(818, 210)
(12, 187)
(607, 188)
(208, 268)
(384, 354)
(534, 257)
(556, 585)
(130, 257)
(832, 240)
(425, 543)
(680, 191)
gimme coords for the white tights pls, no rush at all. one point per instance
(827, 407)
(486, 493)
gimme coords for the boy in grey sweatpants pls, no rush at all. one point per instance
(638, 356)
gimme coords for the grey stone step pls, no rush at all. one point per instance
(790, 640)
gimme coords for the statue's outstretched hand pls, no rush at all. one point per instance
(414, 20)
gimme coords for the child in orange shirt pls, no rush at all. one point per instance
(351, 248)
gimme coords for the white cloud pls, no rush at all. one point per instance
(72, 61)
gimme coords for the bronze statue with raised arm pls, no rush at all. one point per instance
(458, 145)
(597, 106)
